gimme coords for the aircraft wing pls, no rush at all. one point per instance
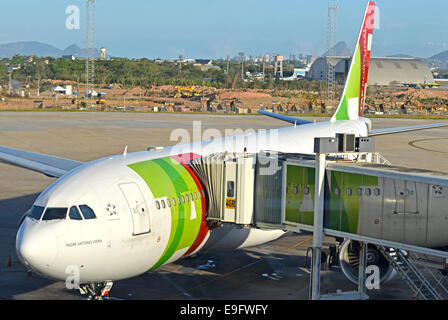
(379, 132)
(49, 165)
(292, 120)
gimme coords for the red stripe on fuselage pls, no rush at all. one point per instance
(183, 159)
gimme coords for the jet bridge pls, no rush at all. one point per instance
(348, 195)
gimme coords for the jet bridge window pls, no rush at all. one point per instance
(36, 212)
(230, 189)
(87, 212)
(55, 213)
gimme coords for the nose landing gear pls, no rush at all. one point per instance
(96, 291)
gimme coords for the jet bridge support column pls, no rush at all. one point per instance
(318, 233)
(318, 236)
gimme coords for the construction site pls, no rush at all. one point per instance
(381, 101)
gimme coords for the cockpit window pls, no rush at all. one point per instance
(55, 213)
(36, 212)
(74, 213)
(87, 212)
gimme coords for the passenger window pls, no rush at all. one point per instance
(168, 202)
(195, 196)
(87, 212)
(348, 191)
(183, 198)
(36, 212)
(230, 189)
(55, 214)
(178, 200)
(188, 198)
(191, 196)
(163, 204)
(157, 205)
(174, 201)
(74, 213)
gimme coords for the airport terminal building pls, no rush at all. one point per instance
(382, 71)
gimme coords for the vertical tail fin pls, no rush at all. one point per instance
(351, 105)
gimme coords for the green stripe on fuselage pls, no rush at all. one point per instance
(167, 178)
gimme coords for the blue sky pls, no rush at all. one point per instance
(215, 28)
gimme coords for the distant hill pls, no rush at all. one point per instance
(341, 49)
(34, 48)
(28, 48)
(439, 60)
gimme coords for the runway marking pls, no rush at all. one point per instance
(296, 245)
(238, 269)
(412, 144)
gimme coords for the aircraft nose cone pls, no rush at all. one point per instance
(36, 245)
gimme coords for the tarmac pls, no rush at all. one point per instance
(276, 270)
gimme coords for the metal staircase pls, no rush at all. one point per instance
(426, 284)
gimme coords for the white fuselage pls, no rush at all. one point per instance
(132, 234)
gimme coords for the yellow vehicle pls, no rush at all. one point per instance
(431, 85)
(184, 92)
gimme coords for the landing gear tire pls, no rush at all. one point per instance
(96, 291)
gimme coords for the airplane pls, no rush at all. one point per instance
(124, 215)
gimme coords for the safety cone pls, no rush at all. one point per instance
(9, 264)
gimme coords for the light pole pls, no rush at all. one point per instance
(10, 70)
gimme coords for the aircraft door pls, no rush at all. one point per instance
(137, 207)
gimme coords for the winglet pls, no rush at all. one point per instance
(351, 105)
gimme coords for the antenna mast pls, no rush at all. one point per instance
(90, 46)
(331, 61)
